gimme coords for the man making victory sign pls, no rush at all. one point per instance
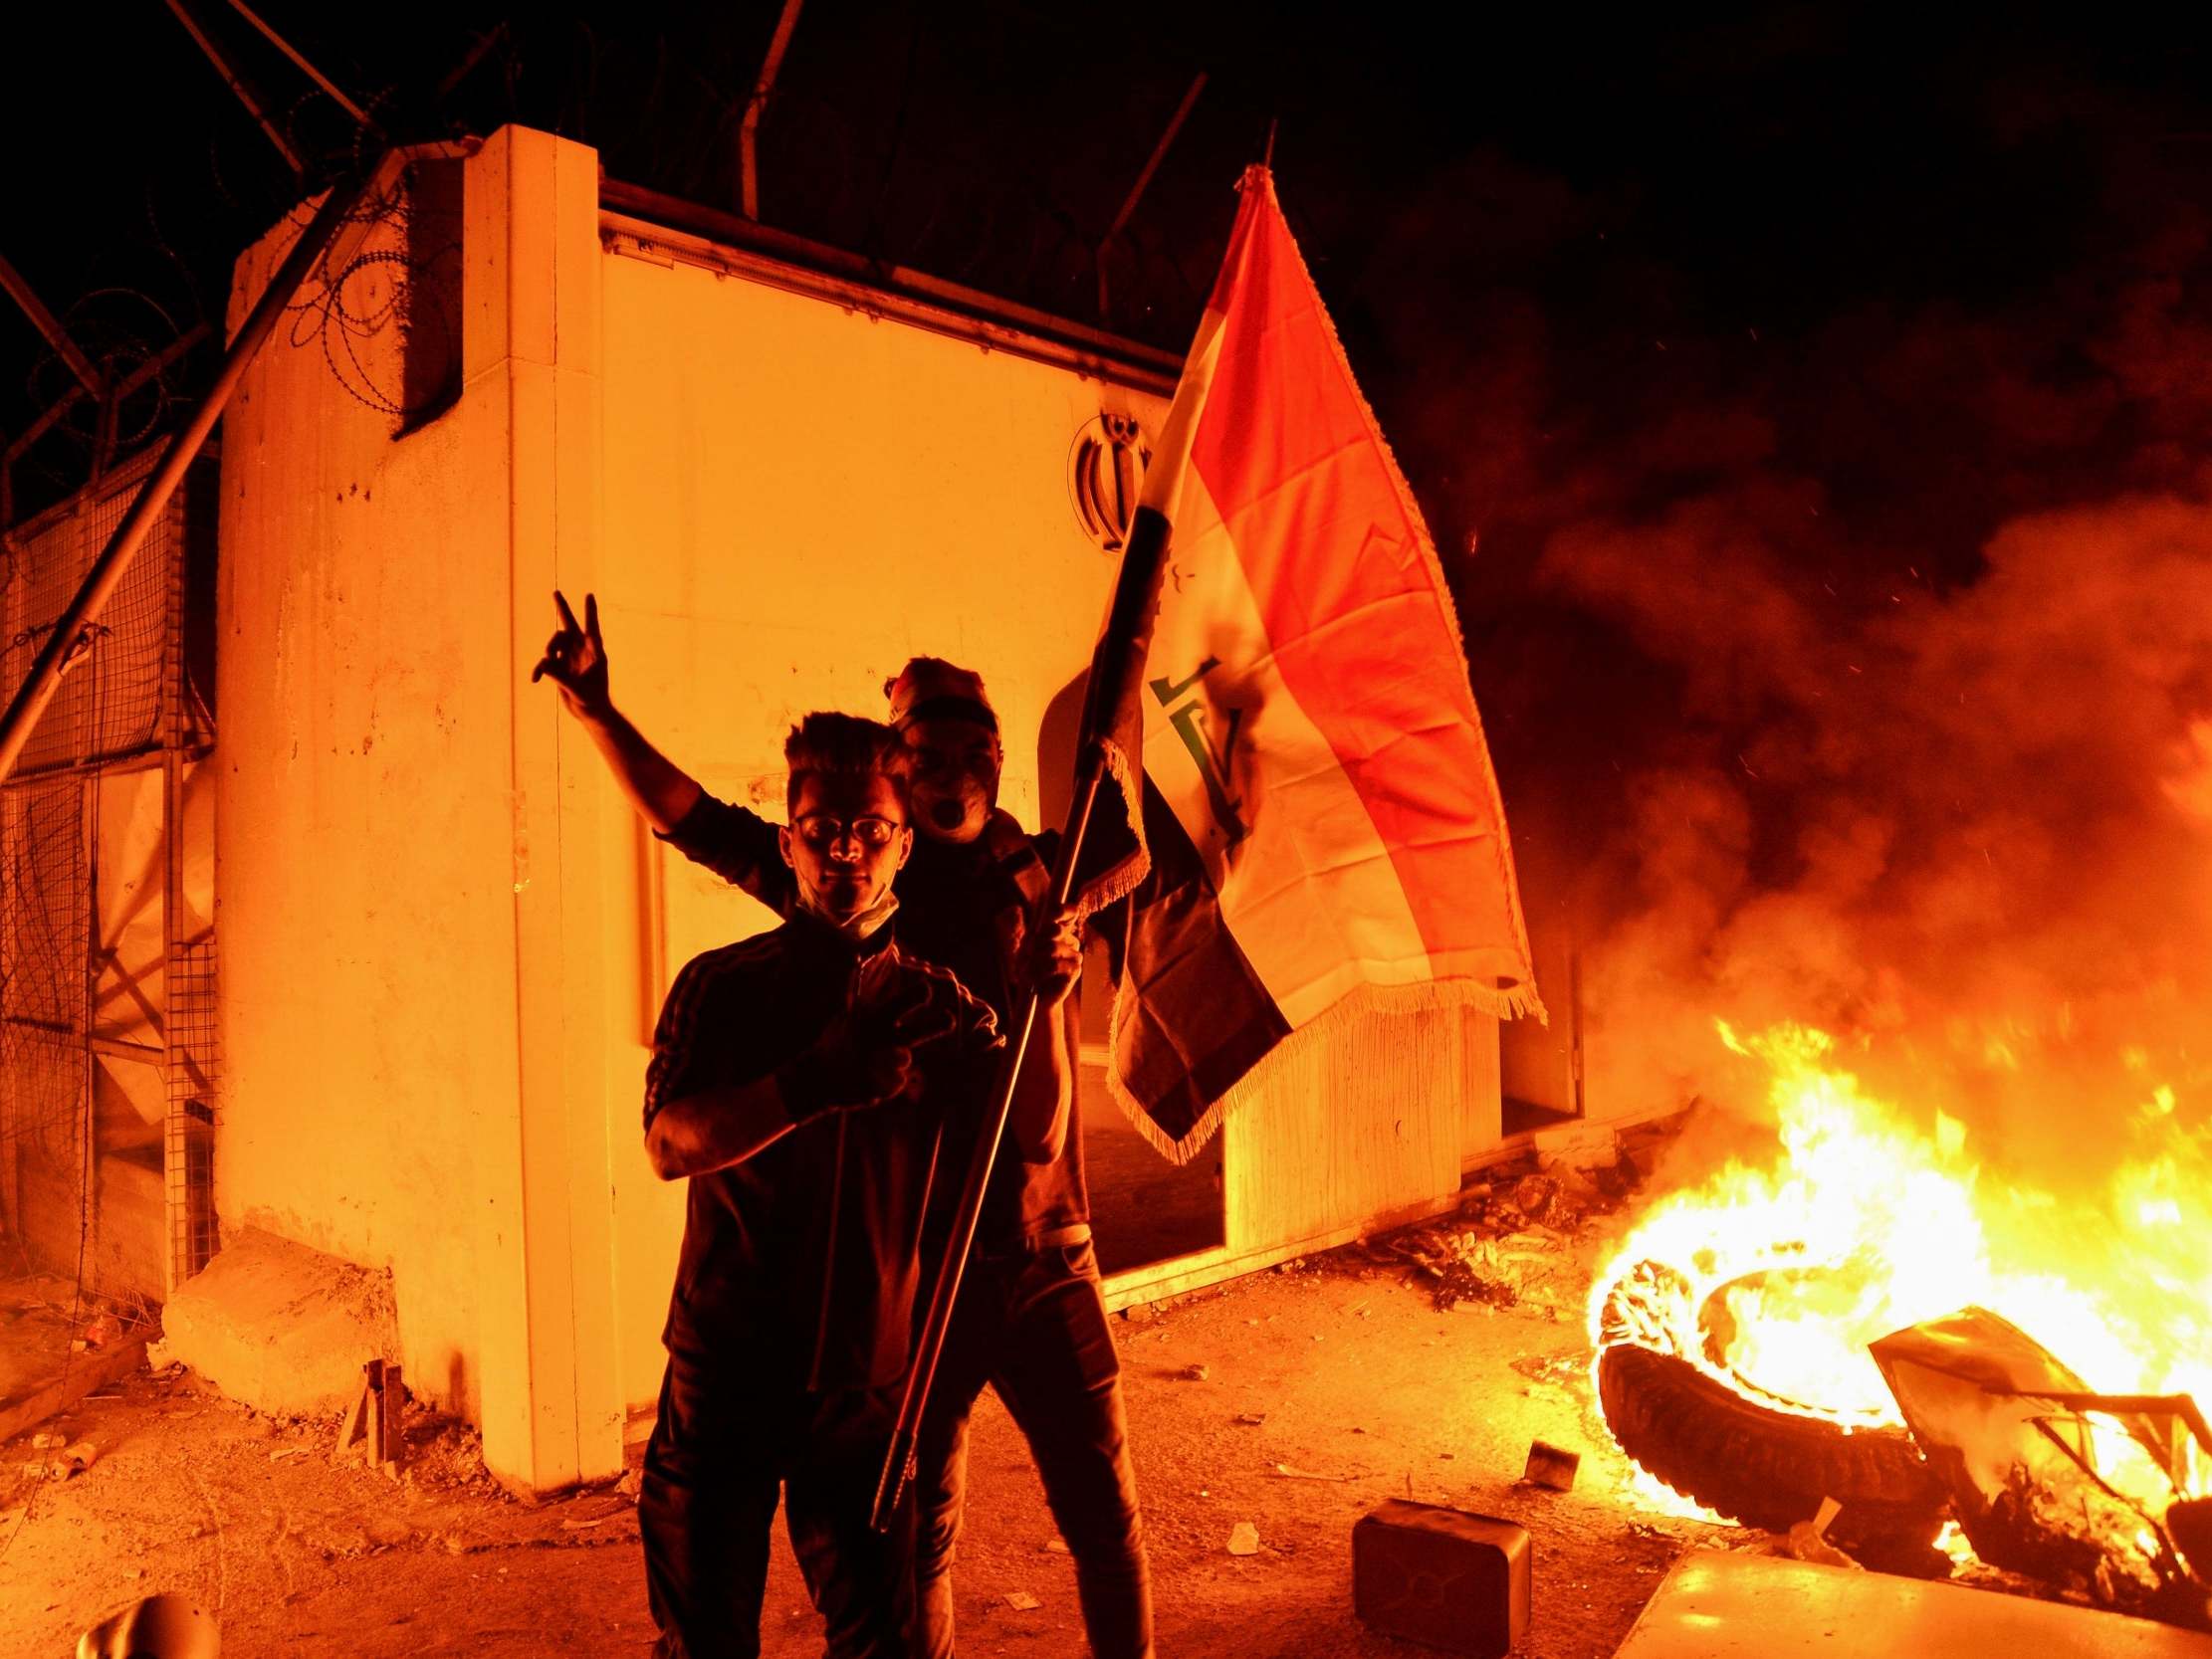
(1032, 1319)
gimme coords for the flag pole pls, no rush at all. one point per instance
(1119, 657)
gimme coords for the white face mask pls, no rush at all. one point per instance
(856, 926)
(952, 808)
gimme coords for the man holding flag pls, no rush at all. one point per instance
(1323, 824)
(1288, 716)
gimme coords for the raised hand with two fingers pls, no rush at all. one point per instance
(575, 659)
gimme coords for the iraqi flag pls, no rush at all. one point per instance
(1322, 823)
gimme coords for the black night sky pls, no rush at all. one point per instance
(1512, 221)
(1718, 344)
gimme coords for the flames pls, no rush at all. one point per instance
(1868, 1218)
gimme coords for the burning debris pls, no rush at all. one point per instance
(1806, 1344)
(2048, 1478)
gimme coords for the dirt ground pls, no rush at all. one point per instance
(1294, 1399)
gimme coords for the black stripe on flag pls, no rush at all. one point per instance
(1193, 1016)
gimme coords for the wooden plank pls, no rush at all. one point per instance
(50, 1219)
(1542, 1062)
(1357, 1117)
(123, 1048)
(85, 1373)
(1155, 1281)
(1481, 1098)
(125, 1250)
(1575, 1134)
(1143, 1209)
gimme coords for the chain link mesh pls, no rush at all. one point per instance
(45, 901)
(123, 697)
(110, 702)
(188, 1134)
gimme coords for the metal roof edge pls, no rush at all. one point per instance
(675, 228)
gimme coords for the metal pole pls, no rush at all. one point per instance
(47, 324)
(1136, 190)
(235, 79)
(756, 105)
(898, 1462)
(1119, 657)
(187, 341)
(461, 71)
(360, 116)
(38, 688)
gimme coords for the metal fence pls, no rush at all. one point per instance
(127, 702)
(113, 699)
(45, 934)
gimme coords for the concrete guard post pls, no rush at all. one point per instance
(411, 870)
(532, 337)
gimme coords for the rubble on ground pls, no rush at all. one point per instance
(1505, 1246)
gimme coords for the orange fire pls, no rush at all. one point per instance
(1867, 1220)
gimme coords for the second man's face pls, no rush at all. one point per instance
(956, 776)
(847, 839)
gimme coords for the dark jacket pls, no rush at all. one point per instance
(964, 908)
(801, 1262)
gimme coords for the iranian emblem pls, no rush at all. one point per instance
(1105, 472)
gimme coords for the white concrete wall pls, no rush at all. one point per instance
(391, 841)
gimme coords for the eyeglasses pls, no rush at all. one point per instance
(826, 829)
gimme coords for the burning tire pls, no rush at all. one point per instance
(1762, 1464)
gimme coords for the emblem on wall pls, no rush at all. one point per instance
(1105, 472)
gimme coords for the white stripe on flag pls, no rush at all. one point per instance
(1309, 891)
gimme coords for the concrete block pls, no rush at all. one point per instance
(1552, 1466)
(280, 1327)
(1440, 1576)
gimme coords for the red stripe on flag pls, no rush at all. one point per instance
(1333, 550)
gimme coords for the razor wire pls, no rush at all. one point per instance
(402, 288)
(665, 108)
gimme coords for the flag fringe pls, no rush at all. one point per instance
(1178, 1153)
(1121, 878)
(1429, 996)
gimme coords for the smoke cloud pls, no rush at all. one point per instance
(1845, 636)
(1969, 834)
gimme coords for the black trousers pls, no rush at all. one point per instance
(1034, 1326)
(720, 1450)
